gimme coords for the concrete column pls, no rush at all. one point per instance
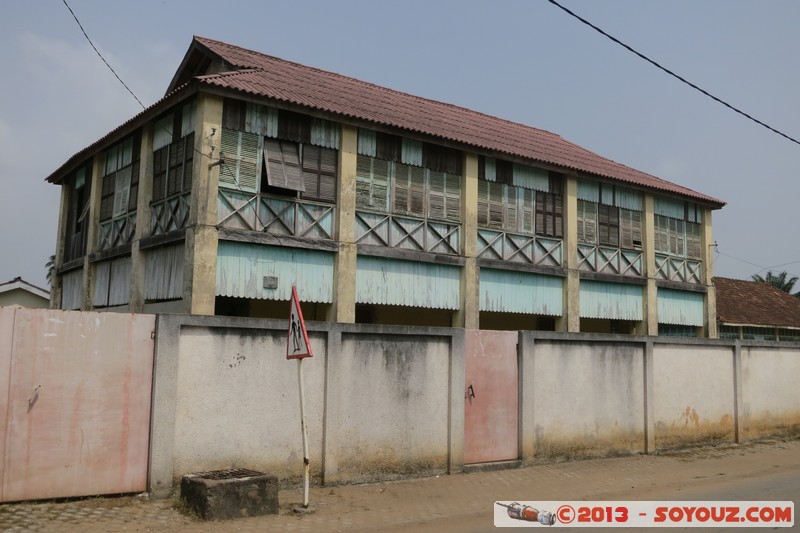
(649, 248)
(707, 243)
(92, 231)
(334, 385)
(571, 320)
(468, 316)
(61, 238)
(344, 264)
(201, 236)
(145, 194)
(455, 430)
(527, 434)
(737, 392)
(649, 397)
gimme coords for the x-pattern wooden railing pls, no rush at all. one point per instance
(516, 248)
(169, 214)
(609, 260)
(280, 216)
(407, 233)
(117, 232)
(678, 269)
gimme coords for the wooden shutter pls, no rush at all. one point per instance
(107, 197)
(188, 162)
(283, 165)
(693, 247)
(587, 222)
(549, 214)
(409, 190)
(608, 225)
(319, 173)
(444, 196)
(160, 163)
(630, 229)
(122, 184)
(372, 184)
(527, 210)
(511, 208)
(677, 237)
(241, 168)
(483, 203)
(662, 234)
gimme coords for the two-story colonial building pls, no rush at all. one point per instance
(254, 174)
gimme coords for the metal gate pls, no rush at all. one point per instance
(491, 419)
(77, 417)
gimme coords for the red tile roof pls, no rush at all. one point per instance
(742, 302)
(270, 77)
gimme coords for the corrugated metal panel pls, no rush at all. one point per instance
(325, 133)
(629, 199)
(668, 207)
(490, 169)
(589, 191)
(617, 301)
(187, 118)
(261, 119)
(411, 153)
(531, 178)
(102, 271)
(607, 195)
(162, 132)
(120, 283)
(408, 283)
(72, 290)
(241, 268)
(520, 292)
(164, 273)
(680, 307)
(367, 142)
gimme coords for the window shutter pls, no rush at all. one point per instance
(662, 234)
(496, 208)
(587, 222)
(372, 184)
(444, 196)
(188, 162)
(483, 203)
(608, 224)
(693, 247)
(319, 173)
(511, 208)
(283, 165)
(630, 228)
(122, 185)
(549, 214)
(527, 207)
(240, 151)
(409, 190)
(160, 159)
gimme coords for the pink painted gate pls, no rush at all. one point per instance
(491, 419)
(78, 387)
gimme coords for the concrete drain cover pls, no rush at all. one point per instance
(234, 493)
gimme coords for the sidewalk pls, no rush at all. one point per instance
(412, 504)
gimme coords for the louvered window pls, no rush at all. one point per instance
(505, 207)
(319, 173)
(608, 225)
(693, 246)
(549, 214)
(120, 182)
(78, 193)
(409, 190)
(677, 237)
(372, 184)
(241, 168)
(282, 161)
(630, 229)
(444, 196)
(587, 222)
(172, 168)
(491, 208)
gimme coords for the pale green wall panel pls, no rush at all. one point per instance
(617, 301)
(241, 268)
(520, 292)
(407, 283)
(680, 307)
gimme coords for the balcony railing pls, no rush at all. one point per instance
(527, 249)
(607, 260)
(679, 269)
(407, 233)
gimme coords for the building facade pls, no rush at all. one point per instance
(254, 174)
(751, 310)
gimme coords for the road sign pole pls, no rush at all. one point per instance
(304, 426)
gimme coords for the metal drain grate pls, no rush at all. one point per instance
(233, 473)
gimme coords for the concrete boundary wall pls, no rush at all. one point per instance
(381, 402)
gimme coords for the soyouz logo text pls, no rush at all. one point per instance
(644, 514)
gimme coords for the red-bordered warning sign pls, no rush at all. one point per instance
(297, 345)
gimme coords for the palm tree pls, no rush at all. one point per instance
(778, 280)
(50, 266)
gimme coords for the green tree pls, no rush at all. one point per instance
(782, 281)
(50, 266)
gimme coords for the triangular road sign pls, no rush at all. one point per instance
(297, 344)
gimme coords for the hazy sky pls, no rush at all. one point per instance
(523, 60)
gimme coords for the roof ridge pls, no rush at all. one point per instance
(372, 84)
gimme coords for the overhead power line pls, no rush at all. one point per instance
(671, 73)
(101, 55)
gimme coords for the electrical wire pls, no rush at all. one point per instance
(223, 168)
(671, 73)
(101, 55)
